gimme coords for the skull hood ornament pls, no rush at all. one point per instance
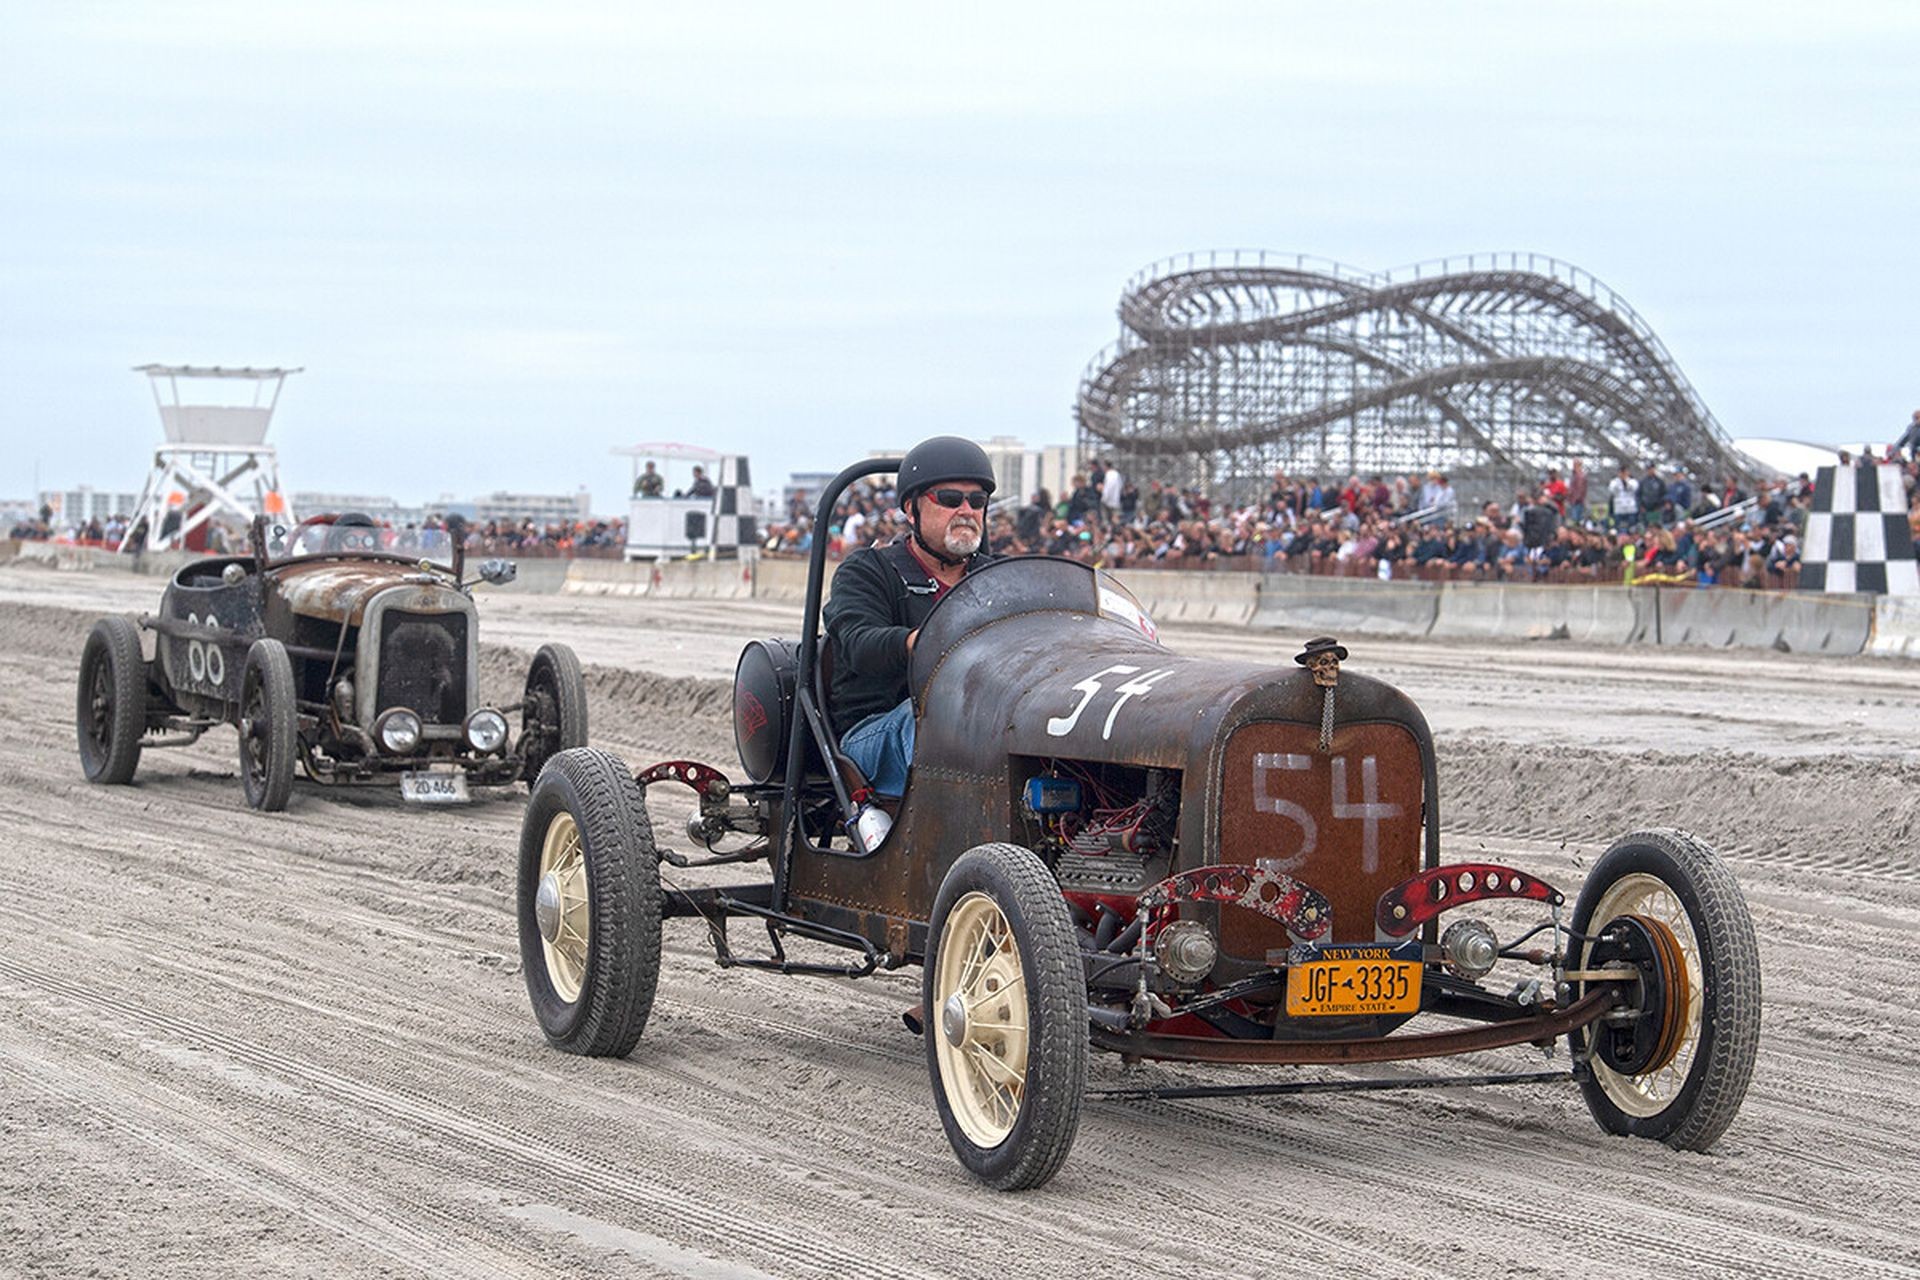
(1323, 656)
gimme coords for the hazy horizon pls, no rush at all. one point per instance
(503, 240)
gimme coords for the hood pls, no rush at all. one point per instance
(338, 590)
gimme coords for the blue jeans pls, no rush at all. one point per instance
(882, 745)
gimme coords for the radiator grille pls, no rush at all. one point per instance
(423, 664)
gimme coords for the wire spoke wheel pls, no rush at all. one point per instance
(1658, 908)
(98, 724)
(589, 904)
(1673, 1063)
(553, 715)
(982, 1012)
(1006, 996)
(110, 707)
(564, 906)
(268, 725)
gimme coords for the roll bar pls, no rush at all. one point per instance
(812, 716)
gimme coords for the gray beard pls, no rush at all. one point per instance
(961, 542)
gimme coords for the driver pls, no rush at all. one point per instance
(353, 531)
(881, 595)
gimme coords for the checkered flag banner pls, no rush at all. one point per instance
(734, 525)
(1858, 538)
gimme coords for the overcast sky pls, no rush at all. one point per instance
(503, 238)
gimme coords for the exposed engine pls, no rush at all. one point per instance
(1106, 829)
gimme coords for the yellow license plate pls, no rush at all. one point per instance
(1343, 980)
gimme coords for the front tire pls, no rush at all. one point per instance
(111, 710)
(1671, 889)
(589, 905)
(1006, 1002)
(268, 726)
(554, 715)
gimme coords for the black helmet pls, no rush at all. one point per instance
(943, 458)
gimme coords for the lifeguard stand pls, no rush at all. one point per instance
(215, 459)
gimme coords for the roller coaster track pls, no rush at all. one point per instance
(1246, 355)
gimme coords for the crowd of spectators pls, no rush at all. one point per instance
(525, 537)
(1658, 525)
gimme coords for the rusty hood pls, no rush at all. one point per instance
(339, 590)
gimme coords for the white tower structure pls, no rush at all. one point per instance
(215, 459)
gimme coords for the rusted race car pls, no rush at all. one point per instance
(1105, 845)
(331, 645)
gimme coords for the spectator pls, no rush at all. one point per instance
(1623, 498)
(1555, 491)
(1909, 442)
(1652, 495)
(1539, 523)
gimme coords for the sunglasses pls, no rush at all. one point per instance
(952, 498)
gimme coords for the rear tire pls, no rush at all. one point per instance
(554, 716)
(589, 905)
(1671, 881)
(110, 712)
(1006, 1001)
(268, 726)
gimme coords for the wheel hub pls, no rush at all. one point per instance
(546, 907)
(953, 1019)
(1648, 1041)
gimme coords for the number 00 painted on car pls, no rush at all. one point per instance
(1355, 978)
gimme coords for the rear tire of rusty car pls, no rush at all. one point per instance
(553, 717)
(1705, 964)
(1006, 1011)
(589, 905)
(268, 726)
(111, 711)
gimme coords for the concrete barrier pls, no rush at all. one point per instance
(1896, 627)
(1177, 596)
(1720, 618)
(543, 576)
(784, 580)
(1528, 611)
(57, 555)
(703, 580)
(1345, 606)
(607, 578)
(1798, 622)
(669, 579)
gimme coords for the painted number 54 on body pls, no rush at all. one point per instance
(1139, 686)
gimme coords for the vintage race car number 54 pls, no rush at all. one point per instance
(1355, 978)
(433, 787)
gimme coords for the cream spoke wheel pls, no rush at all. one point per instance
(1005, 991)
(1673, 1058)
(589, 904)
(983, 1036)
(1650, 1093)
(564, 907)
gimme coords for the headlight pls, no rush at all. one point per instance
(398, 730)
(486, 730)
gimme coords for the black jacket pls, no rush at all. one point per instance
(879, 594)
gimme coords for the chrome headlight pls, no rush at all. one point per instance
(486, 730)
(397, 730)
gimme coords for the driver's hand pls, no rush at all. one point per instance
(911, 637)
